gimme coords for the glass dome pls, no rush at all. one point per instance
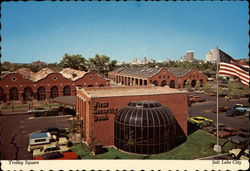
(145, 127)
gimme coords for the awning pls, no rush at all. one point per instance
(66, 100)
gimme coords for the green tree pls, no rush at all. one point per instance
(233, 89)
(74, 61)
(188, 86)
(101, 64)
(207, 88)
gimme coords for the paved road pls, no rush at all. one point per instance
(15, 129)
(204, 109)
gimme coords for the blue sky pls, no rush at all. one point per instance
(45, 31)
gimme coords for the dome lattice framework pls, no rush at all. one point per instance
(145, 127)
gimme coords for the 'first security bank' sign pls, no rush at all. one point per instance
(102, 110)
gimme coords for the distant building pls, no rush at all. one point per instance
(211, 56)
(38, 63)
(25, 85)
(189, 56)
(172, 77)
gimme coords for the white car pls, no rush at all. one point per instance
(234, 153)
(49, 149)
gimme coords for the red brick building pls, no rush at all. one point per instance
(25, 85)
(96, 108)
(173, 77)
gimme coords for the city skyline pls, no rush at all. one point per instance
(122, 30)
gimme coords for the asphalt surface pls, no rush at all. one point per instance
(205, 109)
(15, 129)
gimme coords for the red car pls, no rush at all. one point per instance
(58, 156)
(227, 132)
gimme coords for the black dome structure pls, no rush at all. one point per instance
(145, 127)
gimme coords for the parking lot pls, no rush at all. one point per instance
(205, 109)
(15, 129)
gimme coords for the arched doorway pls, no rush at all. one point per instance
(53, 92)
(201, 83)
(41, 94)
(67, 91)
(101, 85)
(193, 83)
(155, 83)
(90, 85)
(2, 97)
(163, 83)
(27, 94)
(185, 83)
(172, 84)
(13, 93)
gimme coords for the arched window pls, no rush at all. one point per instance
(14, 93)
(41, 94)
(193, 83)
(172, 84)
(155, 83)
(67, 91)
(27, 94)
(163, 83)
(53, 92)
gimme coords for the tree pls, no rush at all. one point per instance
(101, 64)
(74, 61)
(207, 88)
(188, 86)
(233, 89)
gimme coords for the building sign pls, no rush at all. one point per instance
(102, 110)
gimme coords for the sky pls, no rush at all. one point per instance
(45, 31)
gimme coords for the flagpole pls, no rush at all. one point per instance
(217, 147)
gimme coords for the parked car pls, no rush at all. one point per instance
(199, 91)
(221, 109)
(201, 121)
(38, 140)
(227, 132)
(239, 139)
(212, 128)
(234, 97)
(193, 99)
(52, 130)
(38, 109)
(57, 156)
(224, 82)
(50, 149)
(202, 100)
(234, 153)
(235, 112)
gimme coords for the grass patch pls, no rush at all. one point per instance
(199, 144)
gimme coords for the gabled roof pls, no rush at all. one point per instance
(68, 73)
(72, 74)
(179, 72)
(27, 74)
(139, 72)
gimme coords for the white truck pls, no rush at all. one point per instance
(38, 140)
(50, 149)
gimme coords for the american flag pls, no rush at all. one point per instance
(232, 67)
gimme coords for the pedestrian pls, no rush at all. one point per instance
(227, 98)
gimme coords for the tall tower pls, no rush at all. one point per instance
(189, 56)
